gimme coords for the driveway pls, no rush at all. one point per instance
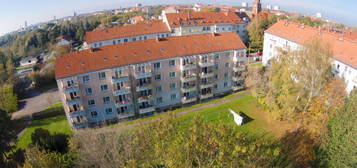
(36, 102)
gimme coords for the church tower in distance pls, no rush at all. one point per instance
(257, 7)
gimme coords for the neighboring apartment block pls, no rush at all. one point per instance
(173, 24)
(129, 33)
(181, 24)
(133, 79)
(290, 35)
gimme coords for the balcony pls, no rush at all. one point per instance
(120, 79)
(141, 75)
(77, 113)
(142, 99)
(186, 100)
(206, 85)
(143, 87)
(236, 88)
(238, 78)
(189, 78)
(72, 88)
(78, 125)
(122, 91)
(73, 101)
(239, 59)
(126, 115)
(147, 109)
(205, 64)
(188, 66)
(239, 69)
(123, 103)
(189, 88)
(208, 74)
(206, 96)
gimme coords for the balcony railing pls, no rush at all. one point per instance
(189, 99)
(238, 59)
(239, 68)
(143, 87)
(123, 103)
(140, 75)
(120, 79)
(189, 78)
(206, 74)
(188, 66)
(73, 101)
(122, 91)
(188, 88)
(146, 109)
(206, 85)
(206, 96)
(206, 64)
(72, 88)
(144, 98)
(238, 78)
(78, 125)
(236, 88)
(77, 113)
(126, 115)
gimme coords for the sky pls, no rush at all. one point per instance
(14, 13)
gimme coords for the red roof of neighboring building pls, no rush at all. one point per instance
(139, 19)
(126, 31)
(142, 51)
(344, 50)
(203, 18)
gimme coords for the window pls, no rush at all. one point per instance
(125, 40)
(173, 97)
(86, 79)
(226, 75)
(158, 77)
(89, 91)
(95, 45)
(216, 77)
(227, 64)
(91, 103)
(104, 88)
(217, 29)
(157, 65)
(106, 100)
(172, 85)
(216, 66)
(145, 38)
(208, 28)
(94, 114)
(140, 38)
(118, 73)
(114, 42)
(172, 62)
(70, 83)
(216, 56)
(158, 89)
(227, 54)
(225, 84)
(101, 75)
(118, 41)
(109, 110)
(172, 74)
(159, 100)
(141, 69)
(204, 29)
(134, 39)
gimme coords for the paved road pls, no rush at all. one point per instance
(222, 101)
(36, 101)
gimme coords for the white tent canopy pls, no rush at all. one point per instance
(237, 118)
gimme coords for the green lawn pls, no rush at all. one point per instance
(55, 124)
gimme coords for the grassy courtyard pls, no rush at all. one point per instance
(54, 124)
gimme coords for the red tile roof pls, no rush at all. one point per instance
(142, 51)
(203, 18)
(126, 31)
(344, 50)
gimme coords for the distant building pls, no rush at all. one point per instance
(137, 19)
(124, 34)
(28, 61)
(63, 41)
(318, 15)
(257, 7)
(269, 7)
(244, 4)
(291, 36)
(277, 8)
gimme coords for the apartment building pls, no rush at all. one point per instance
(181, 24)
(133, 79)
(290, 35)
(124, 34)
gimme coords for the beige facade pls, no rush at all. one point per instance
(141, 89)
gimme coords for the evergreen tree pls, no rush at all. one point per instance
(3, 75)
(341, 140)
(8, 100)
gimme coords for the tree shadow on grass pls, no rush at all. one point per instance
(47, 121)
